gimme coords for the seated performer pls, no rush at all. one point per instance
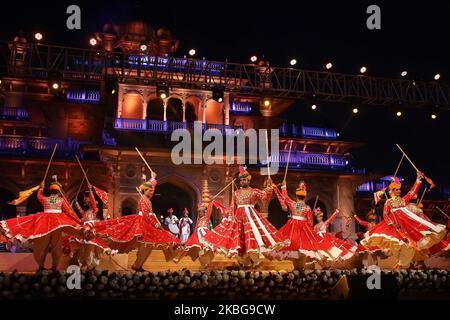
(247, 235)
(194, 246)
(347, 248)
(87, 250)
(185, 226)
(171, 222)
(44, 229)
(402, 231)
(304, 241)
(142, 230)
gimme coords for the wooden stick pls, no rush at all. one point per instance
(82, 169)
(223, 189)
(315, 203)
(407, 157)
(423, 194)
(399, 164)
(79, 188)
(143, 159)
(287, 164)
(442, 211)
(267, 155)
(50, 162)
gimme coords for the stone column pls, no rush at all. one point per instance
(346, 208)
(226, 109)
(183, 105)
(165, 109)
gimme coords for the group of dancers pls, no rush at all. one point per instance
(404, 233)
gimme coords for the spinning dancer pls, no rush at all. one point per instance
(185, 226)
(402, 231)
(347, 248)
(194, 246)
(44, 229)
(87, 250)
(141, 230)
(247, 235)
(443, 247)
(304, 241)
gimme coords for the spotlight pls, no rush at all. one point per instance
(113, 91)
(192, 52)
(218, 94)
(162, 91)
(111, 85)
(293, 62)
(399, 113)
(437, 76)
(433, 116)
(314, 107)
(355, 110)
(143, 46)
(363, 70)
(0, 81)
(54, 82)
(93, 42)
(253, 58)
(404, 73)
(38, 36)
(329, 65)
(266, 102)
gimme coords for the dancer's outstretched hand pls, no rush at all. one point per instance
(420, 175)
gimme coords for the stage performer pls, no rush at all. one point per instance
(87, 250)
(45, 229)
(194, 246)
(443, 247)
(142, 230)
(247, 235)
(348, 248)
(401, 230)
(305, 243)
(185, 226)
(171, 222)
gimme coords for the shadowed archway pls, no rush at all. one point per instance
(277, 217)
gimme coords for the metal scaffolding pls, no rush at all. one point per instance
(77, 64)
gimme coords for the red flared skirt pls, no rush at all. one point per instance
(441, 247)
(247, 232)
(38, 225)
(347, 248)
(129, 232)
(69, 241)
(304, 240)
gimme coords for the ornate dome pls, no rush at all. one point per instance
(164, 33)
(137, 30)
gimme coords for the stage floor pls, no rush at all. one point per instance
(24, 262)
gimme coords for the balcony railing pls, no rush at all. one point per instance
(310, 158)
(293, 130)
(7, 113)
(26, 145)
(83, 96)
(160, 126)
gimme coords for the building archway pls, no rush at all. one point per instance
(190, 113)
(155, 109)
(174, 110)
(132, 106)
(7, 211)
(176, 196)
(277, 217)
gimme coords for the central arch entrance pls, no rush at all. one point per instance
(169, 195)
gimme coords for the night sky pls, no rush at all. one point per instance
(414, 36)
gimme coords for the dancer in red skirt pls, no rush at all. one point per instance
(44, 229)
(304, 241)
(443, 247)
(87, 249)
(347, 248)
(194, 246)
(402, 231)
(142, 230)
(247, 235)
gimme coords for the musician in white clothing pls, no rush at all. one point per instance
(171, 222)
(185, 226)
